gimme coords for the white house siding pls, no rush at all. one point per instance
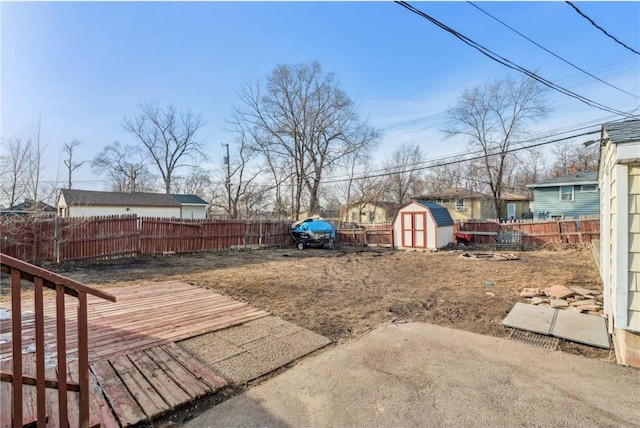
(193, 212)
(634, 248)
(96, 210)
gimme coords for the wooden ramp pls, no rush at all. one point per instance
(138, 374)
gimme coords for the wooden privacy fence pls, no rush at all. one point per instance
(534, 233)
(69, 239)
(373, 237)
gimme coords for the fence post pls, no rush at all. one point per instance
(56, 239)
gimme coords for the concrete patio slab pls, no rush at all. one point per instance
(415, 374)
(569, 325)
(538, 319)
(581, 328)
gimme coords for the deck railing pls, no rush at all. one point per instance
(20, 271)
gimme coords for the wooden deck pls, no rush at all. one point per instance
(144, 316)
(138, 372)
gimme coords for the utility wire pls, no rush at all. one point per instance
(507, 63)
(458, 161)
(599, 27)
(548, 51)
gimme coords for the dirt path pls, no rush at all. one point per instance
(345, 293)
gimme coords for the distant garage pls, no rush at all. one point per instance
(422, 225)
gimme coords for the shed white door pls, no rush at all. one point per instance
(414, 229)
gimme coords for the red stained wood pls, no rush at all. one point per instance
(127, 410)
(141, 373)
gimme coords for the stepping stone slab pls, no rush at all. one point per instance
(537, 319)
(585, 292)
(586, 329)
(558, 291)
(531, 292)
(581, 328)
(558, 303)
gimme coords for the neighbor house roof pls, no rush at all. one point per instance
(91, 197)
(458, 192)
(440, 214)
(582, 177)
(190, 200)
(454, 192)
(622, 132)
(29, 206)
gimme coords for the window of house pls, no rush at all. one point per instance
(355, 216)
(566, 193)
(445, 201)
(459, 204)
(589, 188)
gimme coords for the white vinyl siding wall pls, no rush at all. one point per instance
(634, 248)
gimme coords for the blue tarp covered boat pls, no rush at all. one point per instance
(313, 233)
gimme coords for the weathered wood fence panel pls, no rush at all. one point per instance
(28, 238)
(373, 237)
(97, 237)
(535, 233)
(67, 239)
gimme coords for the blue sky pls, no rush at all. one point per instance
(84, 66)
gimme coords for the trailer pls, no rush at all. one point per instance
(315, 233)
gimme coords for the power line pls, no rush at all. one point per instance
(507, 63)
(458, 161)
(548, 134)
(599, 27)
(550, 52)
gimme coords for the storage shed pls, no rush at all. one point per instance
(422, 225)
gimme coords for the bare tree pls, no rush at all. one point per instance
(197, 182)
(68, 149)
(168, 137)
(569, 155)
(125, 168)
(15, 155)
(243, 195)
(358, 189)
(405, 173)
(493, 115)
(302, 120)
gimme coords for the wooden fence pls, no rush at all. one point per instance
(534, 233)
(70, 239)
(67, 239)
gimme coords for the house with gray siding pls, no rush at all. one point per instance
(572, 195)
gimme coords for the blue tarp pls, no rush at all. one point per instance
(313, 225)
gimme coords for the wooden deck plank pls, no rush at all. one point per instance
(120, 399)
(170, 391)
(201, 371)
(96, 400)
(118, 329)
(141, 373)
(176, 371)
(145, 395)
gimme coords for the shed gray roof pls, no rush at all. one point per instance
(190, 199)
(582, 177)
(625, 131)
(440, 214)
(91, 197)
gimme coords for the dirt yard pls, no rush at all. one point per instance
(345, 293)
